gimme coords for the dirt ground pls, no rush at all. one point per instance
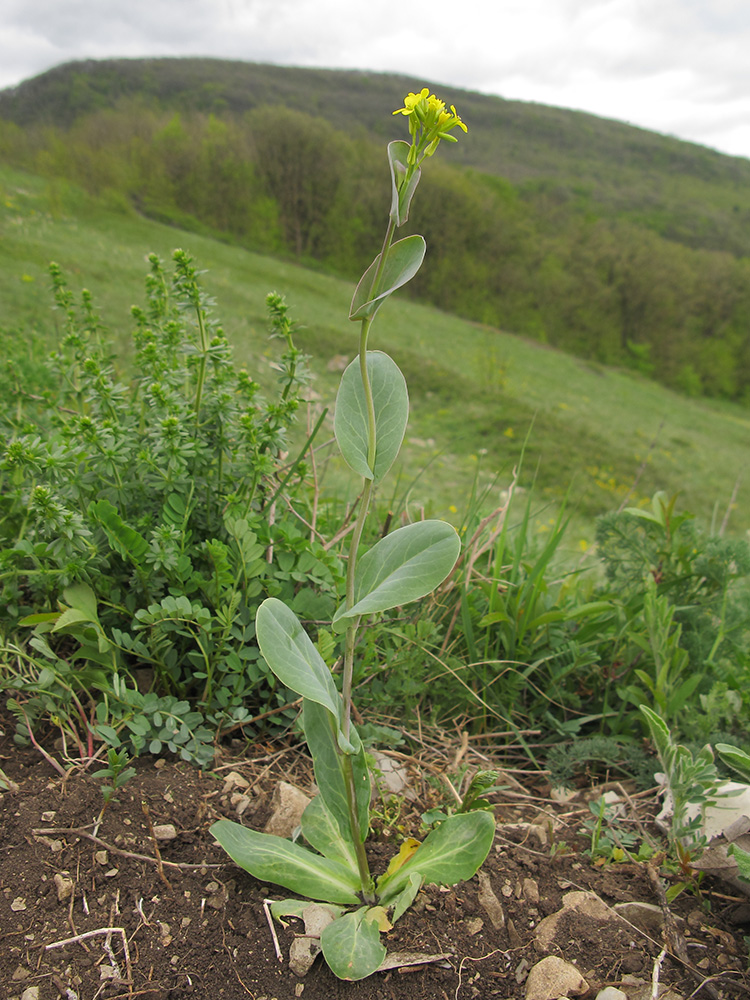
(171, 916)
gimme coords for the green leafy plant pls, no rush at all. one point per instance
(142, 523)
(679, 633)
(668, 685)
(401, 567)
(117, 771)
(693, 783)
(608, 842)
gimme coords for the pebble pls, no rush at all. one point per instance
(611, 993)
(64, 886)
(553, 978)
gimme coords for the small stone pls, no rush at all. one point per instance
(316, 917)
(165, 831)
(302, 954)
(240, 802)
(218, 899)
(20, 974)
(523, 832)
(48, 816)
(112, 872)
(553, 978)
(30, 993)
(54, 845)
(64, 886)
(18, 904)
(489, 902)
(107, 972)
(235, 780)
(393, 776)
(611, 993)
(102, 857)
(530, 891)
(583, 904)
(299, 989)
(474, 926)
(645, 916)
(288, 804)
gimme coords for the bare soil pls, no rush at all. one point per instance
(176, 918)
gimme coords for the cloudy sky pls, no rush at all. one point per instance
(680, 67)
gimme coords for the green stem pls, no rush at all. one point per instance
(201, 367)
(359, 846)
(351, 632)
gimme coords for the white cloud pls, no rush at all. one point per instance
(678, 66)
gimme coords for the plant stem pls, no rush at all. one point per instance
(364, 505)
(351, 632)
(359, 847)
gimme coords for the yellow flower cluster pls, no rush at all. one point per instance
(429, 122)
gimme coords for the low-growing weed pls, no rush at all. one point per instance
(142, 522)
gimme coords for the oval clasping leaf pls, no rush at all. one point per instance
(402, 191)
(291, 655)
(402, 263)
(402, 567)
(391, 402)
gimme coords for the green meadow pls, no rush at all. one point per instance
(481, 398)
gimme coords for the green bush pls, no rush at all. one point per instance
(143, 522)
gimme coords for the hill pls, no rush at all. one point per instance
(612, 243)
(680, 189)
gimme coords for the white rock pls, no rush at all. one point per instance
(64, 886)
(611, 993)
(393, 775)
(165, 831)
(553, 978)
(302, 954)
(288, 804)
(30, 993)
(316, 917)
(235, 780)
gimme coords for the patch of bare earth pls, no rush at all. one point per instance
(147, 905)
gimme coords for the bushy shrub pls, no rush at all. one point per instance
(143, 521)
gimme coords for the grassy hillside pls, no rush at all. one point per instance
(476, 392)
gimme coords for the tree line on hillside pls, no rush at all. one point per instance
(528, 258)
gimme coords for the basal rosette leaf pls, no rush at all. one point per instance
(403, 260)
(272, 859)
(391, 404)
(351, 945)
(451, 853)
(402, 567)
(322, 735)
(323, 832)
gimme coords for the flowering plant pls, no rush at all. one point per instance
(370, 420)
